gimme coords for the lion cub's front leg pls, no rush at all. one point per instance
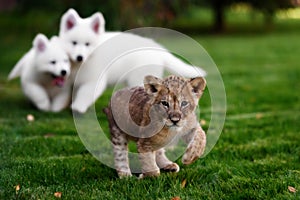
(196, 145)
(164, 163)
(147, 159)
(149, 167)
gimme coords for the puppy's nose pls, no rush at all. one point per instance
(63, 72)
(79, 58)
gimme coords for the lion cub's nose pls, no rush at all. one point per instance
(175, 117)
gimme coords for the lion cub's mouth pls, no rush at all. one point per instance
(169, 123)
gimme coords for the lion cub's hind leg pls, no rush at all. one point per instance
(120, 147)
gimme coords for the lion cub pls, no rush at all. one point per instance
(152, 117)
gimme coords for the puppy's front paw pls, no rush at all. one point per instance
(43, 105)
(79, 109)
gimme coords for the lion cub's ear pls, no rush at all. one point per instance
(152, 85)
(198, 85)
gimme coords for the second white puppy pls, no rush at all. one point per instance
(119, 57)
(44, 71)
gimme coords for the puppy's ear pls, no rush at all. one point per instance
(68, 20)
(198, 84)
(40, 42)
(152, 85)
(98, 23)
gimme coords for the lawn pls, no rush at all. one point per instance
(256, 157)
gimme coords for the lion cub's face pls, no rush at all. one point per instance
(175, 96)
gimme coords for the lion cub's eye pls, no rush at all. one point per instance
(165, 103)
(184, 103)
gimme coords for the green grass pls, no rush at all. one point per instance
(256, 157)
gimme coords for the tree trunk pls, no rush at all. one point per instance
(269, 19)
(219, 15)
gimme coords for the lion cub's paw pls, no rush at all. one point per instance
(173, 167)
(189, 160)
(192, 153)
(149, 174)
(123, 174)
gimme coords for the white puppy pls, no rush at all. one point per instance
(43, 71)
(120, 57)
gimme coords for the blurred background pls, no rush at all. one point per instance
(254, 43)
(21, 20)
(196, 16)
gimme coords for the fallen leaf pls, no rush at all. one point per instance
(57, 194)
(202, 122)
(18, 187)
(175, 198)
(258, 115)
(292, 189)
(183, 183)
(48, 135)
(30, 118)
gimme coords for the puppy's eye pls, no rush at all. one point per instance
(74, 43)
(53, 62)
(184, 103)
(165, 104)
(87, 44)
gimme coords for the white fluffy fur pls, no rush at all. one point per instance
(43, 71)
(120, 57)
